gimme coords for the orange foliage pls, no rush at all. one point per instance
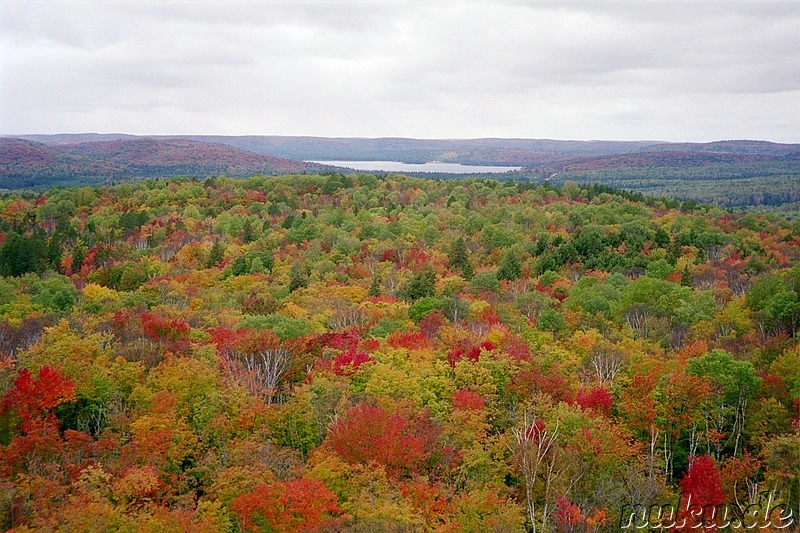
(288, 506)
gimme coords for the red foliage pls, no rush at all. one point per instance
(418, 259)
(534, 431)
(736, 472)
(529, 382)
(490, 317)
(401, 443)
(517, 348)
(466, 400)
(432, 322)
(473, 353)
(411, 340)
(427, 498)
(370, 345)
(773, 386)
(341, 340)
(701, 487)
(171, 331)
(675, 277)
(287, 506)
(346, 363)
(597, 399)
(568, 514)
(33, 398)
(39, 442)
(243, 340)
(389, 255)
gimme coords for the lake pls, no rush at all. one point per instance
(431, 166)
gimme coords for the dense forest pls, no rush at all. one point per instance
(359, 353)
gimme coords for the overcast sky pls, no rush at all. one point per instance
(695, 71)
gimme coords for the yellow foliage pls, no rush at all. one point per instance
(73, 354)
(393, 381)
(94, 293)
(487, 509)
(497, 335)
(376, 503)
(236, 480)
(90, 515)
(20, 309)
(295, 311)
(583, 341)
(478, 306)
(327, 466)
(163, 436)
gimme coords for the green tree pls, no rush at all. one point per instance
(248, 233)
(458, 259)
(421, 285)
(216, 254)
(510, 268)
(733, 384)
(20, 255)
(297, 277)
(374, 287)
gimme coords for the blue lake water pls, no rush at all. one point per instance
(431, 166)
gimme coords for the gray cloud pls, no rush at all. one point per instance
(655, 70)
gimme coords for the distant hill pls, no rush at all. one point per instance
(530, 153)
(489, 151)
(729, 173)
(29, 164)
(666, 158)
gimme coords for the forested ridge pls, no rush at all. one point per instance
(352, 353)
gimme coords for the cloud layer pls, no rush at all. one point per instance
(655, 70)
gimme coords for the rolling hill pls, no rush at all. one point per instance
(30, 164)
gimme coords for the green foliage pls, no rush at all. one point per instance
(510, 268)
(297, 277)
(458, 259)
(124, 276)
(423, 306)
(54, 293)
(284, 327)
(421, 285)
(252, 263)
(20, 254)
(730, 377)
(485, 282)
(217, 254)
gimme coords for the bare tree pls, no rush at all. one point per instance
(536, 451)
(607, 361)
(261, 370)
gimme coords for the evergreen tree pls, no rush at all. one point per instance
(510, 267)
(54, 248)
(458, 254)
(78, 257)
(20, 255)
(297, 277)
(216, 254)
(375, 287)
(248, 233)
(467, 272)
(459, 259)
(421, 285)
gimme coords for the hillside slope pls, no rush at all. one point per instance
(29, 164)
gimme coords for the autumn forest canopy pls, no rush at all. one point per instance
(350, 352)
